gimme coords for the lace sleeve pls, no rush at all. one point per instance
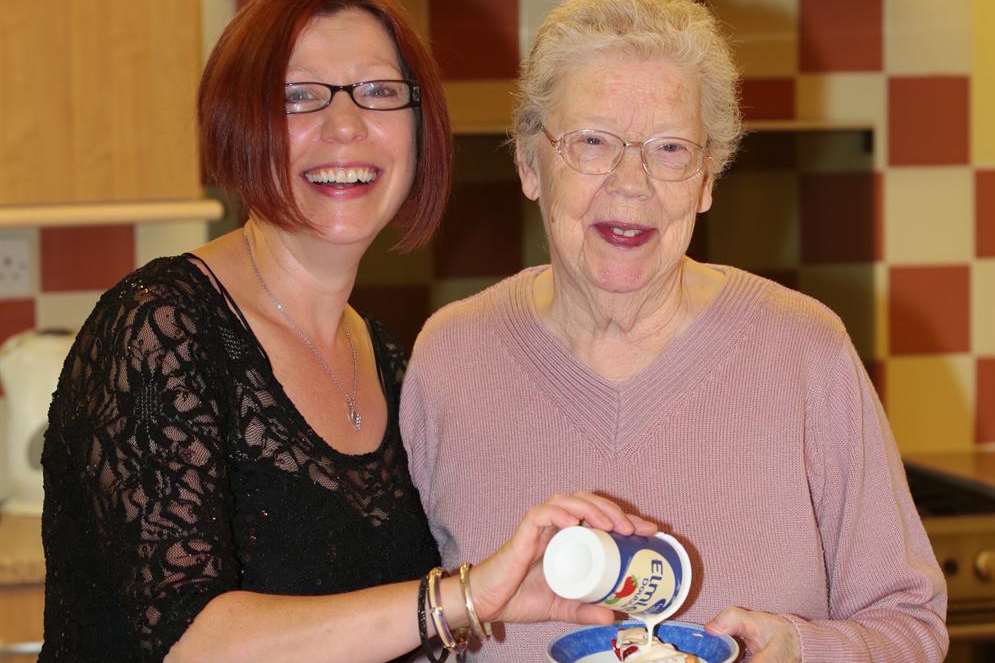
(141, 422)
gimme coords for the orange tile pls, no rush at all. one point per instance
(984, 205)
(984, 428)
(928, 120)
(85, 258)
(929, 309)
(840, 217)
(475, 39)
(768, 98)
(842, 35)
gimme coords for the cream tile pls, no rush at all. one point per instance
(530, 16)
(764, 35)
(154, 240)
(928, 215)
(858, 99)
(983, 84)
(65, 310)
(983, 307)
(930, 402)
(753, 222)
(927, 37)
(214, 16)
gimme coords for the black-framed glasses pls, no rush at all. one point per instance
(594, 152)
(384, 95)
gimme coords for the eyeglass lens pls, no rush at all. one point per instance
(599, 152)
(374, 95)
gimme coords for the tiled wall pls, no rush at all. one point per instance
(893, 226)
(900, 238)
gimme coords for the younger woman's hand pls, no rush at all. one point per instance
(771, 638)
(509, 585)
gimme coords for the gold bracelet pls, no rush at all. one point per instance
(481, 630)
(455, 644)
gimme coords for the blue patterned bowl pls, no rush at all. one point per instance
(593, 644)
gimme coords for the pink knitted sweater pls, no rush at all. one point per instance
(755, 438)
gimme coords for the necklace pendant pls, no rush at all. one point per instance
(354, 417)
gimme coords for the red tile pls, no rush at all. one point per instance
(840, 217)
(16, 315)
(928, 121)
(929, 309)
(475, 39)
(984, 201)
(481, 234)
(985, 408)
(876, 370)
(768, 98)
(840, 35)
(85, 258)
(786, 277)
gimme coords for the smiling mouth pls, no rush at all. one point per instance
(341, 176)
(623, 234)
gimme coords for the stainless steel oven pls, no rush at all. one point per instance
(959, 517)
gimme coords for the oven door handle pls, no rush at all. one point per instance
(963, 632)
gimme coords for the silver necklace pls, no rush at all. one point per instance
(351, 399)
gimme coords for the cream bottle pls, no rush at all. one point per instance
(646, 577)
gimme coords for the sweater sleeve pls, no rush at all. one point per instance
(417, 432)
(136, 422)
(887, 594)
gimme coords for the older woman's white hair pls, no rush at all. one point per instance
(682, 30)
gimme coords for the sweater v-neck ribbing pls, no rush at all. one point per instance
(614, 414)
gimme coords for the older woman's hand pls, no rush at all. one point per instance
(509, 585)
(770, 638)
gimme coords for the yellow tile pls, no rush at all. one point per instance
(381, 266)
(930, 402)
(983, 84)
(847, 99)
(535, 246)
(928, 215)
(983, 307)
(753, 222)
(764, 35)
(881, 338)
(450, 290)
(927, 37)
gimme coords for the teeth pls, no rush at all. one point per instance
(341, 175)
(625, 233)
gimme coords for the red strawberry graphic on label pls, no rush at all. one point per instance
(628, 587)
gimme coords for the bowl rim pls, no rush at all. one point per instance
(730, 641)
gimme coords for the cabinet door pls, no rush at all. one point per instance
(21, 617)
(97, 100)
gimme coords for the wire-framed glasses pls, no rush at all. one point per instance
(384, 95)
(596, 152)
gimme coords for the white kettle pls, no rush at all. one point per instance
(30, 364)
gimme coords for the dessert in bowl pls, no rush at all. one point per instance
(594, 644)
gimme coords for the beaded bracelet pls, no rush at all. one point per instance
(423, 628)
(481, 629)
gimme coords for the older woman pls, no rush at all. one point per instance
(224, 475)
(730, 409)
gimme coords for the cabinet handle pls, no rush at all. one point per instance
(19, 649)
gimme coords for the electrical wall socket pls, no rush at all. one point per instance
(15, 267)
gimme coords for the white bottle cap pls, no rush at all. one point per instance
(581, 564)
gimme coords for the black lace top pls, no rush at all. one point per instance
(176, 469)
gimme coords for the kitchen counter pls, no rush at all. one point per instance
(976, 466)
(22, 560)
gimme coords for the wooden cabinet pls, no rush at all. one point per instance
(22, 577)
(97, 101)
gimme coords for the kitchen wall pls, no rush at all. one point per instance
(890, 219)
(903, 246)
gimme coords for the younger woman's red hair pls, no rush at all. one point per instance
(243, 124)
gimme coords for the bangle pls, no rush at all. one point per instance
(435, 609)
(481, 629)
(426, 648)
